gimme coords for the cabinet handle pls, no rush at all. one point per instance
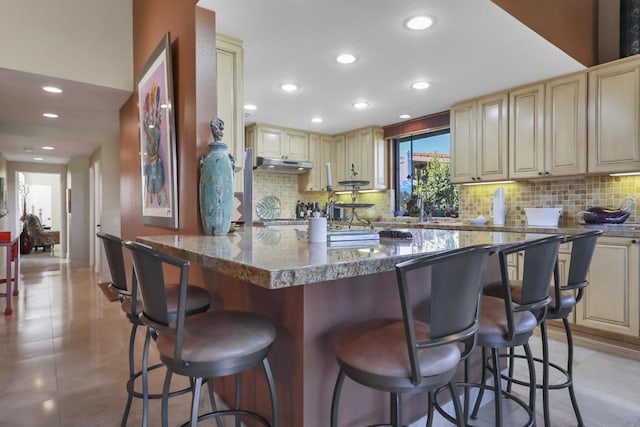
(539, 173)
(634, 241)
(478, 178)
(473, 178)
(546, 173)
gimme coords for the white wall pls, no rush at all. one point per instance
(88, 41)
(78, 219)
(109, 157)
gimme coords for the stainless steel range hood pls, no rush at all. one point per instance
(286, 166)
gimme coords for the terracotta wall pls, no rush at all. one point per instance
(151, 20)
(571, 25)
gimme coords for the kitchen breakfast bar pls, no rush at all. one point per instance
(309, 290)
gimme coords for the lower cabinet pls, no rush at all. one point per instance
(611, 301)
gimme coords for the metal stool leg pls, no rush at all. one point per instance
(195, 401)
(572, 393)
(476, 406)
(238, 397)
(545, 373)
(132, 373)
(335, 401)
(272, 391)
(497, 387)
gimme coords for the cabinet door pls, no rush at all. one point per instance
(610, 302)
(310, 181)
(614, 112)
(229, 66)
(492, 133)
(463, 143)
(326, 149)
(339, 167)
(566, 126)
(380, 159)
(353, 153)
(526, 132)
(296, 145)
(270, 142)
(365, 139)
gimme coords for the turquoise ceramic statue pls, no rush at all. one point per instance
(216, 184)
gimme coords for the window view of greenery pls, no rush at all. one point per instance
(423, 169)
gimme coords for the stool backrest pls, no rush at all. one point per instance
(452, 310)
(113, 251)
(583, 246)
(540, 258)
(148, 265)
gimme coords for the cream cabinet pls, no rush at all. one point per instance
(339, 168)
(366, 151)
(320, 152)
(276, 142)
(229, 68)
(611, 301)
(479, 140)
(565, 135)
(614, 117)
(526, 132)
(547, 128)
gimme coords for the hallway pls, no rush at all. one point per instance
(64, 352)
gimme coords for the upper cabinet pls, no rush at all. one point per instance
(366, 151)
(547, 128)
(614, 117)
(526, 132)
(479, 140)
(320, 153)
(229, 67)
(565, 131)
(276, 142)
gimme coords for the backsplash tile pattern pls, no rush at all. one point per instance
(284, 187)
(574, 195)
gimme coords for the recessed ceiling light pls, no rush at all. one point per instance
(419, 23)
(420, 85)
(50, 115)
(317, 120)
(38, 158)
(289, 87)
(360, 105)
(346, 58)
(404, 116)
(250, 107)
(47, 147)
(52, 89)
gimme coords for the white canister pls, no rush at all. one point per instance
(318, 230)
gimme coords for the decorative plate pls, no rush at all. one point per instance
(268, 208)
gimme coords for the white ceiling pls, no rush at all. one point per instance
(475, 48)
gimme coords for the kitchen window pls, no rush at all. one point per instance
(423, 168)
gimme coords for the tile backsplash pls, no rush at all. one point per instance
(574, 195)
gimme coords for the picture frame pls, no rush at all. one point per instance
(156, 122)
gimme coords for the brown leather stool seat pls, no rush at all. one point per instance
(201, 346)
(409, 355)
(198, 301)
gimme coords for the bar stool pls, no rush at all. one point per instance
(563, 299)
(205, 345)
(508, 323)
(198, 301)
(413, 356)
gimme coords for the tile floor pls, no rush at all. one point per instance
(64, 362)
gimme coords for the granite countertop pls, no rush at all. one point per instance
(611, 230)
(276, 259)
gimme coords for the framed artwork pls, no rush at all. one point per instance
(158, 171)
